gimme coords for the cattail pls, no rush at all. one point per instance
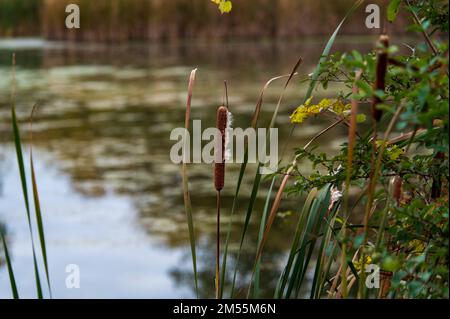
(397, 189)
(219, 169)
(223, 123)
(380, 80)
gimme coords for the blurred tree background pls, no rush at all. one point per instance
(125, 20)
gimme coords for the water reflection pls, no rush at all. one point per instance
(112, 198)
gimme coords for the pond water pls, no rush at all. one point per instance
(111, 198)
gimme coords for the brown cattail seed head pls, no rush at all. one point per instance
(380, 80)
(397, 190)
(219, 167)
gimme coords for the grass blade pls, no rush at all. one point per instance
(18, 146)
(12, 279)
(37, 206)
(295, 243)
(318, 210)
(256, 183)
(186, 194)
(25, 194)
(260, 236)
(316, 287)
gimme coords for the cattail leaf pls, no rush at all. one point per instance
(12, 279)
(256, 183)
(295, 243)
(327, 229)
(37, 206)
(260, 236)
(313, 229)
(301, 254)
(185, 178)
(20, 162)
(260, 99)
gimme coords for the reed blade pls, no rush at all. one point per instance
(185, 178)
(260, 236)
(295, 243)
(37, 206)
(327, 229)
(256, 183)
(12, 279)
(20, 162)
(307, 241)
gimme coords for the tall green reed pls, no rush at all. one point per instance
(23, 180)
(12, 279)
(185, 177)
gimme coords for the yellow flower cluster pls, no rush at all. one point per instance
(359, 264)
(392, 151)
(224, 5)
(305, 110)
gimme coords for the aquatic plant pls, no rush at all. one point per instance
(399, 181)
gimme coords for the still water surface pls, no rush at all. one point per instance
(111, 198)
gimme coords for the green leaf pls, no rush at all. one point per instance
(301, 226)
(255, 188)
(12, 279)
(37, 207)
(185, 178)
(39, 223)
(23, 180)
(260, 237)
(392, 10)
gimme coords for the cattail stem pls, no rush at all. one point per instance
(219, 181)
(218, 247)
(380, 80)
